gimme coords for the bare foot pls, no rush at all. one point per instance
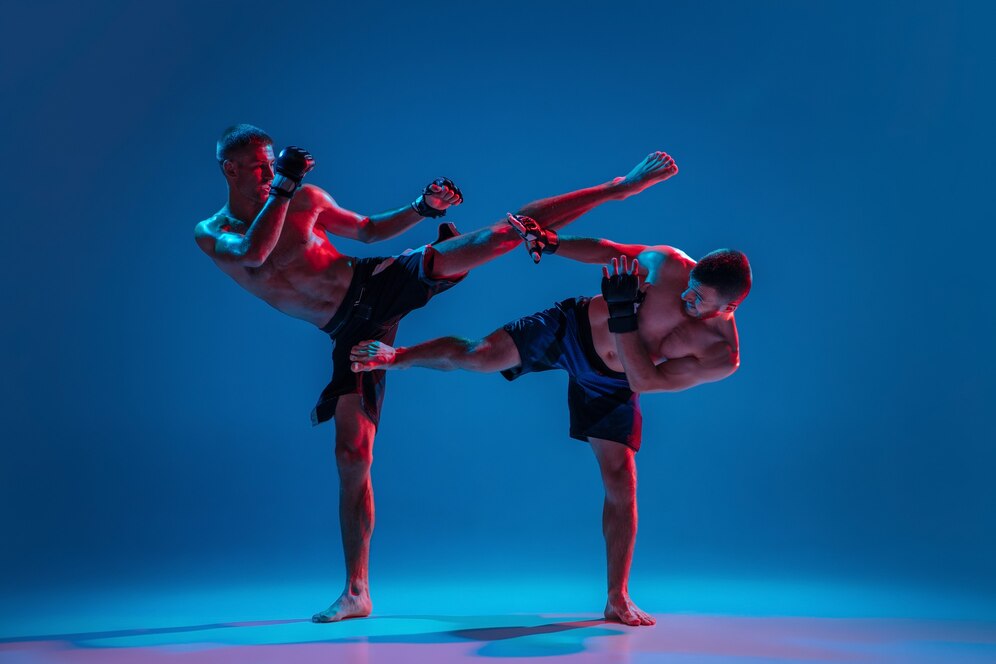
(657, 167)
(622, 609)
(347, 606)
(369, 355)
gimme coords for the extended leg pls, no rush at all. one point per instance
(469, 250)
(354, 437)
(494, 352)
(619, 516)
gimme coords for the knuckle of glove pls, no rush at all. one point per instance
(294, 162)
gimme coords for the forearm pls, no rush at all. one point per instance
(595, 250)
(388, 224)
(640, 370)
(263, 233)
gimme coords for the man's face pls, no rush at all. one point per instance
(703, 301)
(250, 171)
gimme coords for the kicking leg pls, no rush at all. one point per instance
(354, 437)
(560, 210)
(494, 352)
(463, 253)
(619, 516)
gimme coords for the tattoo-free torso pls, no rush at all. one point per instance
(304, 277)
(666, 330)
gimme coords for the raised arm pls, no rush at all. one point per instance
(646, 259)
(596, 250)
(541, 240)
(620, 288)
(436, 198)
(254, 247)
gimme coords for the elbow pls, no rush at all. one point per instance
(642, 384)
(367, 231)
(651, 384)
(251, 262)
(253, 259)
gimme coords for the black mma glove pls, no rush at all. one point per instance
(622, 294)
(426, 210)
(292, 165)
(539, 240)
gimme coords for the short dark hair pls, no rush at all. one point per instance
(726, 270)
(237, 137)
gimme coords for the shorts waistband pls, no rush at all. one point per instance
(362, 269)
(588, 344)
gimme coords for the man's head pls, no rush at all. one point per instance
(245, 155)
(717, 284)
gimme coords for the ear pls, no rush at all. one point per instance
(228, 168)
(730, 308)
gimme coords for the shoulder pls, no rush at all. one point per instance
(664, 262)
(209, 231)
(668, 255)
(310, 195)
(209, 227)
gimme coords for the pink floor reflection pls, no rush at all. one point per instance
(677, 638)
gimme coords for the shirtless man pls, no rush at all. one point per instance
(676, 332)
(271, 237)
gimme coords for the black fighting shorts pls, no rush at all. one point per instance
(381, 293)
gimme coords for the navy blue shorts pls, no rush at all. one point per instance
(600, 401)
(381, 293)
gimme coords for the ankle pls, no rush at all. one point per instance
(620, 188)
(357, 588)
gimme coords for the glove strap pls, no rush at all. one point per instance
(277, 190)
(624, 324)
(552, 241)
(426, 210)
(622, 316)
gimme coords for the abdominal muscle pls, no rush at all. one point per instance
(308, 285)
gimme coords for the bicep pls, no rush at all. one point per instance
(337, 220)
(630, 251)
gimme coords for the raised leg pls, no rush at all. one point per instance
(463, 253)
(494, 352)
(617, 464)
(354, 438)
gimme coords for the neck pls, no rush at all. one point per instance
(242, 208)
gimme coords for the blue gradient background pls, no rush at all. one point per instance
(155, 417)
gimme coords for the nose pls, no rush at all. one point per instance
(267, 171)
(687, 296)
